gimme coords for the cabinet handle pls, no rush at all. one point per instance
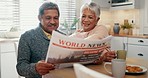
(140, 54)
(140, 41)
(124, 46)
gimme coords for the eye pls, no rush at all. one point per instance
(56, 17)
(83, 16)
(48, 18)
(90, 17)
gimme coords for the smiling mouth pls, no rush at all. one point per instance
(86, 25)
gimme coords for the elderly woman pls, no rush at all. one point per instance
(90, 15)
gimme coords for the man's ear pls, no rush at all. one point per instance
(39, 17)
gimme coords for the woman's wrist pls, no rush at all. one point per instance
(104, 57)
(98, 61)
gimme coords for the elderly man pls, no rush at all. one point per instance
(33, 44)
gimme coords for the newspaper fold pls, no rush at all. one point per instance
(63, 51)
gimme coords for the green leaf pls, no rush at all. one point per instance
(74, 22)
(126, 26)
(65, 24)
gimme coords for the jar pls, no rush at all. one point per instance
(116, 28)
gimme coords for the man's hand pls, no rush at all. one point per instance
(43, 68)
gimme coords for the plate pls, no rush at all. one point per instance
(143, 71)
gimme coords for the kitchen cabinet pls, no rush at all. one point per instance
(137, 48)
(8, 59)
(103, 3)
(144, 16)
(146, 13)
(118, 43)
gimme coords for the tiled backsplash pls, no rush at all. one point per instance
(118, 16)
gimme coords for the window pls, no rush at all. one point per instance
(67, 13)
(29, 14)
(24, 13)
(9, 14)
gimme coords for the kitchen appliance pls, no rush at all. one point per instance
(119, 1)
(116, 3)
(124, 4)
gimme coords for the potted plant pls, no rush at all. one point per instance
(126, 27)
(68, 27)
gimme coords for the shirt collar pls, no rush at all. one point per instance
(47, 34)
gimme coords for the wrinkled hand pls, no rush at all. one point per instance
(108, 56)
(43, 68)
(98, 61)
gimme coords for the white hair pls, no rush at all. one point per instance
(93, 7)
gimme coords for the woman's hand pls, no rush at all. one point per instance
(108, 56)
(43, 68)
(98, 61)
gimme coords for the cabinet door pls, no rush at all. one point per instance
(103, 3)
(137, 51)
(8, 59)
(8, 65)
(144, 16)
(7, 47)
(146, 13)
(117, 43)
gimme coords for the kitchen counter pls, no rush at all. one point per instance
(131, 36)
(9, 39)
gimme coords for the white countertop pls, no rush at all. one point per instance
(9, 39)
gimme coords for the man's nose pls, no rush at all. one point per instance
(52, 21)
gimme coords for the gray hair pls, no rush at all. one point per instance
(93, 7)
(48, 5)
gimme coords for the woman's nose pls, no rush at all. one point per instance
(86, 19)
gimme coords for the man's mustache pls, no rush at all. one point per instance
(52, 25)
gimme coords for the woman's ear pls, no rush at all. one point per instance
(98, 18)
(39, 17)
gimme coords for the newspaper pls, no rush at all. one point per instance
(63, 50)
